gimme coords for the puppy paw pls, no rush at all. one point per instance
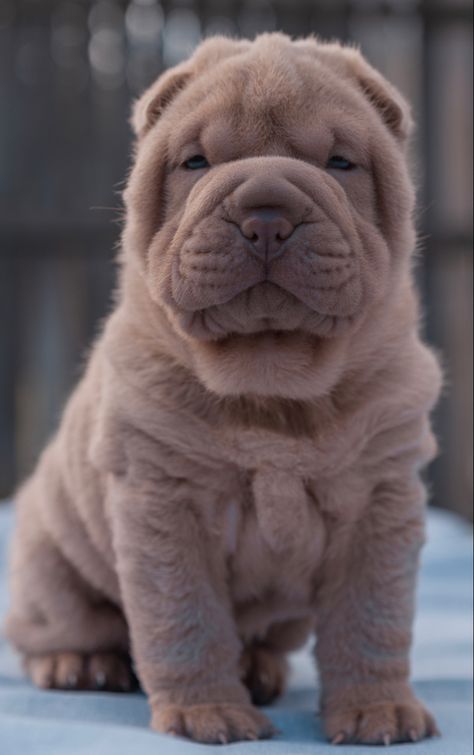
(380, 723)
(212, 724)
(75, 671)
(263, 673)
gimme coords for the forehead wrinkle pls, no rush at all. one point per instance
(242, 128)
(187, 133)
(324, 88)
(219, 137)
(219, 106)
(269, 109)
(352, 136)
(260, 102)
(312, 143)
(223, 139)
(275, 95)
(248, 88)
(259, 87)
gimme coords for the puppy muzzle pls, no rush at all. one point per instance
(270, 220)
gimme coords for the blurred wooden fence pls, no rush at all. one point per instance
(68, 71)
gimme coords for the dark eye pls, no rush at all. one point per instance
(337, 162)
(196, 162)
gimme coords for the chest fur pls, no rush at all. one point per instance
(276, 536)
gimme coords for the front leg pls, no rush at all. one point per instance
(184, 639)
(365, 614)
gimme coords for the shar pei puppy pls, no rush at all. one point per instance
(239, 467)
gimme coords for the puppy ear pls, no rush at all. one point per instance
(392, 106)
(386, 98)
(151, 104)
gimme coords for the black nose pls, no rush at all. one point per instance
(267, 229)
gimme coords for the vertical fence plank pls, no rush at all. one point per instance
(448, 253)
(8, 372)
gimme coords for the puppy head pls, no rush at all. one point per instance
(269, 208)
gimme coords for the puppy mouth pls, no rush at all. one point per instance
(313, 284)
(264, 312)
(265, 273)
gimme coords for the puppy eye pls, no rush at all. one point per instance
(337, 162)
(196, 162)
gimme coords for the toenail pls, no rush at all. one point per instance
(413, 735)
(387, 740)
(222, 738)
(71, 680)
(338, 739)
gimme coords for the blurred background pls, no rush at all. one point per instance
(68, 72)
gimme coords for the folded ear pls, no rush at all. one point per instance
(386, 98)
(392, 106)
(157, 97)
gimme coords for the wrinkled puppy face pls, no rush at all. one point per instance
(270, 207)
